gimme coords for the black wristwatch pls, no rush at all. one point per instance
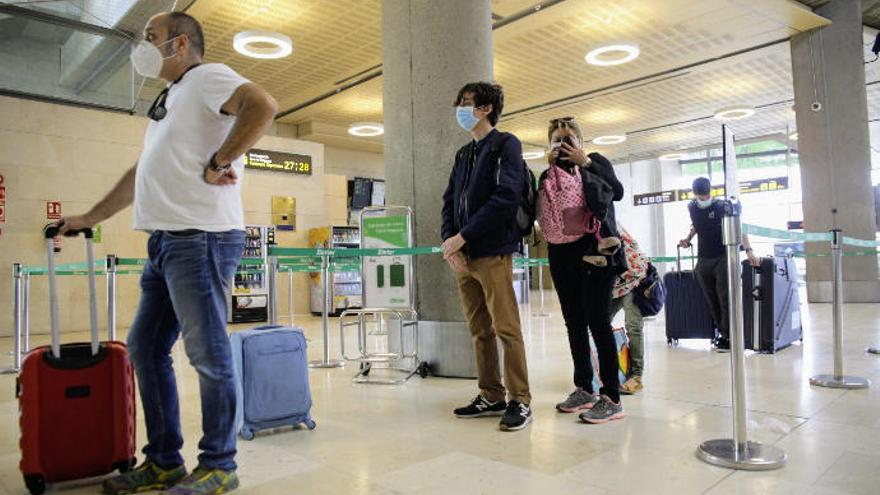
(216, 167)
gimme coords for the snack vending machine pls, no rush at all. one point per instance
(248, 301)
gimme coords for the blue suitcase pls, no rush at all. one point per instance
(272, 379)
(686, 311)
(771, 305)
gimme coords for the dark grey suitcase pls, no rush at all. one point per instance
(686, 311)
(771, 305)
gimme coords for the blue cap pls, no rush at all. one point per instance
(702, 186)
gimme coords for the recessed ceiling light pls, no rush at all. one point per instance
(672, 156)
(734, 113)
(533, 155)
(366, 129)
(246, 43)
(613, 54)
(793, 136)
(609, 139)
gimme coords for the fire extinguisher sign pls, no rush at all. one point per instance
(53, 210)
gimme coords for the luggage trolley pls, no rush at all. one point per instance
(389, 301)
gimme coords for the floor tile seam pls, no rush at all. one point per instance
(840, 395)
(719, 482)
(830, 466)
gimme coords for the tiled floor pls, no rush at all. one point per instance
(403, 440)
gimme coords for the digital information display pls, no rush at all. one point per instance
(276, 161)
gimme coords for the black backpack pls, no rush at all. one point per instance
(527, 211)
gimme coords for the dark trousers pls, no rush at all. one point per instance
(585, 296)
(712, 277)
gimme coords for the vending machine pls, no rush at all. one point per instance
(248, 300)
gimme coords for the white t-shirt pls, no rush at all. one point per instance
(170, 193)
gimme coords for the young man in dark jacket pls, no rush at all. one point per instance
(480, 235)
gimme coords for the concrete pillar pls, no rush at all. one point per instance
(828, 68)
(430, 49)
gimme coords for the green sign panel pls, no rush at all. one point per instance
(389, 231)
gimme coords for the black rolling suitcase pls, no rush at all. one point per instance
(771, 305)
(686, 311)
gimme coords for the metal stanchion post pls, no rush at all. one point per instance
(326, 362)
(541, 312)
(738, 452)
(272, 283)
(111, 296)
(16, 320)
(290, 296)
(528, 276)
(25, 314)
(838, 379)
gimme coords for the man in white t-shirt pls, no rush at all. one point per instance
(186, 192)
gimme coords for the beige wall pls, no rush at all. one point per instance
(53, 152)
(351, 163)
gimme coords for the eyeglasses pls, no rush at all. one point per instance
(561, 120)
(157, 110)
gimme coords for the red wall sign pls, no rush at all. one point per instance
(2, 193)
(2, 212)
(53, 210)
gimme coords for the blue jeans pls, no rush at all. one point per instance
(184, 293)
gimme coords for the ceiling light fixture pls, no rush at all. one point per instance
(672, 156)
(245, 43)
(793, 136)
(734, 113)
(366, 129)
(613, 54)
(609, 139)
(533, 155)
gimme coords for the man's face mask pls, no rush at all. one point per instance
(466, 118)
(704, 203)
(147, 59)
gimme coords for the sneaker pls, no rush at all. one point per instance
(722, 345)
(516, 417)
(578, 400)
(631, 386)
(205, 481)
(144, 478)
(603, 412)
(481, 408)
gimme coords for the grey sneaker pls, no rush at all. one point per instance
(578, 400)
(603, 412)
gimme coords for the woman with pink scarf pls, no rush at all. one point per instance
(576, 215)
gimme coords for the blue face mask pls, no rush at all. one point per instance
(466, 118)
(704, 203)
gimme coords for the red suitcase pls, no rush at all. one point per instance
(76, 401)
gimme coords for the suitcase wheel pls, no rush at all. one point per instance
(125, 466)
(671, 342)
(35, 483)
(310, 424)
(247, 433)
(424, 369)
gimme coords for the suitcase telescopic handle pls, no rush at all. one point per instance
(50, 232)
(678, 258)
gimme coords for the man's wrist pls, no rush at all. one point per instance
(217, 166)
